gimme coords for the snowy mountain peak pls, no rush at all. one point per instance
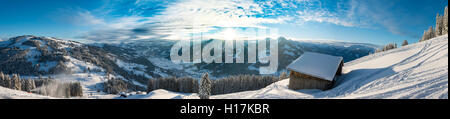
(28, 41)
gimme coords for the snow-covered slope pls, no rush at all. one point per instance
(157, 52)
(6, 93)
(33, 56)
(417, 71)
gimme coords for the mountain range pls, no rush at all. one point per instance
(32, 56)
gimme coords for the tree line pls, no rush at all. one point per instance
(230, 84)
(387, 47)
(118, 85)
(43, 86)
(14, 60)
(441, 27)
(175, 84)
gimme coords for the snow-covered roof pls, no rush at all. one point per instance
(318, 65)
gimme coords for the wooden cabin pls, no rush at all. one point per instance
(314, 71)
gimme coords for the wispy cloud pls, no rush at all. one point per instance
(85, 17)
(182, 18)
(387, 14)
(372, 14)
(178, 20)
(323, 16)
(77, 16)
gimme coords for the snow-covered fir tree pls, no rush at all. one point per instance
(405, 43)
(284, 75)
(445, 21)
(205, 87)
(439, 25)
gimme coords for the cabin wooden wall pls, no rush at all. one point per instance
(302, 81)
(339, 71)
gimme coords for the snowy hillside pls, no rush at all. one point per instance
(32, 57)
(6, 93)
(157, 52)
(416, 71)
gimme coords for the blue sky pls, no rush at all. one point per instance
(368, 21)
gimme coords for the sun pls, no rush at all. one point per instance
(229, 34)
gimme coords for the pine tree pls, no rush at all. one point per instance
(205, 87)
(15, 81)
(76, 89)
(284, 75)
(428, 34)
(33, 84)
(150, 85)
(445, 21)
(28, 85)
(18, 85)
(2, 79)
(377, 50)
(439, 25)
(423, 36)
(388, 47)
(7, 81)
(405, 43)
(24, 84)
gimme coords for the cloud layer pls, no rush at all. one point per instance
(178, 20)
